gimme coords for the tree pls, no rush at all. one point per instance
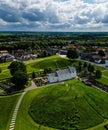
(15, 66)
(85, 65)
(90, 68)
(98, 74)
(101, 53)
(20, 78)
(80, 64)
(72, 54)
(47, 70)
(33, 75)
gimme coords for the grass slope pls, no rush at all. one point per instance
(105, 73)
(24, 121)
(37, 65)
(52, 62)
(7, 105)
(66, 106)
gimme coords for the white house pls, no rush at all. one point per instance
(61, 75)
(106, 63)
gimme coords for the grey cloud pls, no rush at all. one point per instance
(105, 19)
(59, 26)
(34, 15)
(8, 17)
(9, 14)
(82, 20)
(55, 14)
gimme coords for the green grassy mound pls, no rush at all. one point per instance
(53, 63)
(24, 121)
(7, 105)
(71, 105)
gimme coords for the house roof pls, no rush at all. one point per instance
(62, 72)
(71, 47)
(3, 51)
(96, 57)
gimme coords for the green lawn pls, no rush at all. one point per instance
(7, 105)
(58, 105)
(51, 62)
(24, 121)
(37, 65)
(105, 73)
(5, 74)
(5, 65)
(100, 126)
(103, 80)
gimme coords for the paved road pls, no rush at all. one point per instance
(93, 63)
(14, 116)
(102, 65)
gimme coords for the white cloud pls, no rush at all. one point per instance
(100, 1)
(50, 14)
(2, 22)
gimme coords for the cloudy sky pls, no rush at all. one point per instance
(54, 15)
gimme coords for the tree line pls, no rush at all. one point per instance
(41, 41)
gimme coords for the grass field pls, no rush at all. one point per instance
(7, 105)
(105, 73)
(24, 121)
(37, 65)
(53, 62)
(103, 80)
(60, 104)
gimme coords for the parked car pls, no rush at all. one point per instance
(88, 83)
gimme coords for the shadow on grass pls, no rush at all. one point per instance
(13, 90)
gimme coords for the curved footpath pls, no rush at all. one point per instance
(14, 116)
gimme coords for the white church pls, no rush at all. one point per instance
(61, 75)
(106, 63)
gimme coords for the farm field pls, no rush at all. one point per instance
(57, 105)
(7, 105)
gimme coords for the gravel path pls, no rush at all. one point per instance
(12, 124)
(14, 116)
